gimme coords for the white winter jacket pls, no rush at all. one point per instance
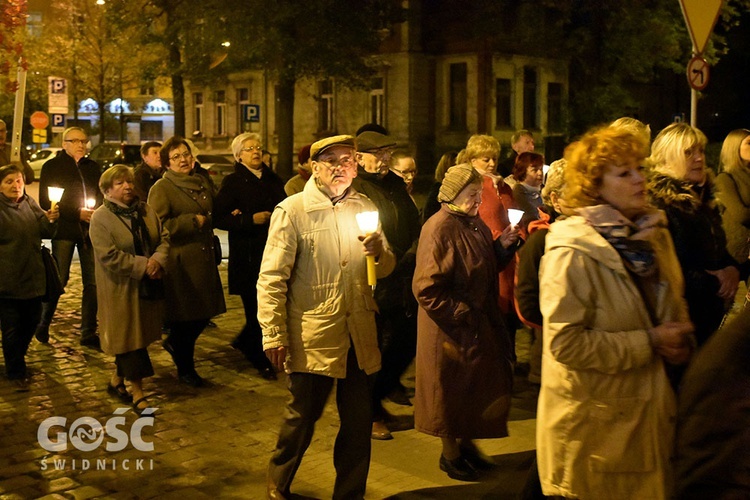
(313, 295)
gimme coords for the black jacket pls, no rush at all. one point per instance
(399, 219)
(244, 191)
(695, 226)
(81, 182)
(145, 177)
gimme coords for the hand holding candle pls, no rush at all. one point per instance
(55, 195)
(368, 223)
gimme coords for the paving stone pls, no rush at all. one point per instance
(213, 442)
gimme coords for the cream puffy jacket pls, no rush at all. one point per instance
(313, 295)
(606, 410)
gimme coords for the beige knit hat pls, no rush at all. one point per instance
(455, 180)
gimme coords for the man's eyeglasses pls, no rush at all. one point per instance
(252, 148)
(77, 141)
(405, 173)
(176, 157)
(345, 162)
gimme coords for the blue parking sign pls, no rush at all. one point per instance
(251, 112)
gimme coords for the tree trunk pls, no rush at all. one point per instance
(285, 126)
(178, 90)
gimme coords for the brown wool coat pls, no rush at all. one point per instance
(193, 286)
(126, 323)
(464, 374)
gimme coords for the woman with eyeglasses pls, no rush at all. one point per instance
(243, 207)
(184, 202)
(682, 186)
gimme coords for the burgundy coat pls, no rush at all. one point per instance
(464, 373)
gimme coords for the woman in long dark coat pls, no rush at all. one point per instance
(183, 200)
(464, 373)
(243, 207)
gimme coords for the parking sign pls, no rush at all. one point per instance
(58, 95)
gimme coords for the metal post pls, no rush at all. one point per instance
(694, 102)
(15, 151)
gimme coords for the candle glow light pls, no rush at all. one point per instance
(55, 195)
(368, 223)
(514, 215)
(90, 203)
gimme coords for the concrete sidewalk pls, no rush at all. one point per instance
(212, 442)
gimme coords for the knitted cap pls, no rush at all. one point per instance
(455, 180)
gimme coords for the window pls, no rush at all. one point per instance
(503, 102)
(147, 89)
(325, 110)
(554, 107)
(151, 130)
(530, 119)
(198, 112)
(220, 98)
(377, 101)
(457, 96)
(243, 98)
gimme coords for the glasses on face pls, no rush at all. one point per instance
(77, 141)
(345, 162)
(405, 173)
(252, 148)
(177, 156)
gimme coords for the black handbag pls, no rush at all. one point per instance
(54, 287)
(149, 289)
(217, 250)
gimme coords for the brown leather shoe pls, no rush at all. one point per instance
(380, 431)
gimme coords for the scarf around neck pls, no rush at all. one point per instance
(628, 238)
(136, 213)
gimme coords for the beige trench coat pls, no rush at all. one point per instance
(313, 295)
(126, 323)
(606, 410)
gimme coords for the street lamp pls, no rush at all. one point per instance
(100, 2)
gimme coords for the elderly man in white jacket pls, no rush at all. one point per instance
(317, 313)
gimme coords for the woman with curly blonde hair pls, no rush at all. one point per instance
(613, 314)
(682, 186)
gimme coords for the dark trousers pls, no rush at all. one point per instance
(398, 344)
(18, 320)
(250, 339)
(182, 337)
(62, 250)
(351, 452)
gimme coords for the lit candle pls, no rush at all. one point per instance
(514, 215)
(90, 203)
(55, 195)
(368, 223)
(545, 169)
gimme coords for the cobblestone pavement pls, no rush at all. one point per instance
(212, 442)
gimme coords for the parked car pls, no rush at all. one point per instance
(218, 166)
(107, 154)
(40, 158)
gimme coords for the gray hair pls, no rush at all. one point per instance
(240, 140)
(71, 129)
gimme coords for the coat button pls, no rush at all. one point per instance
(344, 263)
